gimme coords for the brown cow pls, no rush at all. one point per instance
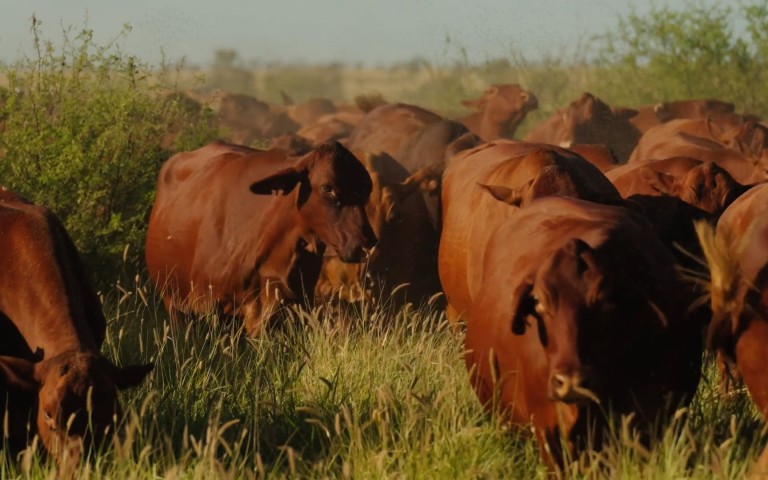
(53, 327)
(309, 111)
(651, 115)
(389, 128)
(515, 173)
(246, 119)
(500, 110)
(579, 312)
(589, 120)
(737, 254)
(701, 184)
(405, 259)
(212, 243)
(747, 137)
(747, 169)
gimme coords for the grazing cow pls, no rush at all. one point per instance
(500, 110)
(212, 243)
(515, 173)
(405, 258)
(589, 120)
(701, 184)
(579, 312)
(52, 329)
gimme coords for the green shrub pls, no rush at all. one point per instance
(695, 52)
(85, 132)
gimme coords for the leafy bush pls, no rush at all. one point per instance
(673, 54)
(85, 131)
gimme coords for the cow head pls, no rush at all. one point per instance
(706, 186)
(504, 105)
(77, 395)
(333, 189)
(590, 120)
(582, 312)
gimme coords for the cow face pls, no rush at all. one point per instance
(333, 189)
(505, 103)
(77, 396)
(584, 317)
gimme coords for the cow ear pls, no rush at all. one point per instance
(663, 183)
(127, 377)
(18, 373)
(281, 183)
(511, 196)
(523, 305)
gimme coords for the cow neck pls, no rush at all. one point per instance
(276, 254)
(48, 310)
(491, 130)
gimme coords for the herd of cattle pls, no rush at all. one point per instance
(570, 261)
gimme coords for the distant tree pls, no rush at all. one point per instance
(670, 54)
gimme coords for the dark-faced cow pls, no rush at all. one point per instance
(239, 230)
(403, 266)
(52, 327)
(579, 312)
(589, 120)
(514, 173)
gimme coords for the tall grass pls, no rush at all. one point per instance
(317, 398)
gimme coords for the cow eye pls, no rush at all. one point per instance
(325, 188)
(47, 415)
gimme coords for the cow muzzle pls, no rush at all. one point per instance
(570, 388)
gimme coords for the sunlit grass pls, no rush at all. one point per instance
(381, 395)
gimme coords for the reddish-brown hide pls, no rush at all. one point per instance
(704, 185)
(405, 258)
(53, 327)
(577, 303)
(589, 120)
(500, 110)
(516, 173)
(212, 243)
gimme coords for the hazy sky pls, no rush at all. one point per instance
(370, 31)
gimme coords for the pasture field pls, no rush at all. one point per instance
(383, 395)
